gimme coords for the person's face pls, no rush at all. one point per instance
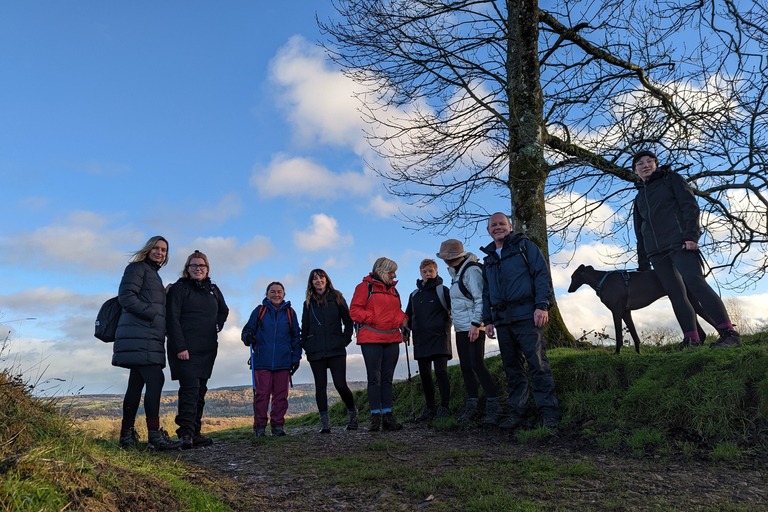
(428, 272)
(197, 269)
(318, 283)
(158, 252)
(645, 167)
(276, 294)
(498, 227)
(389, 277)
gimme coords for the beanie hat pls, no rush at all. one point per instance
(641, 154)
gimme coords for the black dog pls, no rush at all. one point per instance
(623, 292)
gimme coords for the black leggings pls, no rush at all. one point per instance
(338, 367)
(151, 376)
(680, 274)
(472, 362)
(443, 382)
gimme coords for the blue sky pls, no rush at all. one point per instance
(221, 127)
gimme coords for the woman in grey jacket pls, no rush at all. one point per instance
(467, 309)
(139, 342)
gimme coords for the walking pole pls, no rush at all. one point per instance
(407, 338)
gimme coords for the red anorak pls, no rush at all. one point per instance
(377, 310)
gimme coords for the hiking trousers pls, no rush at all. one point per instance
(272, 384)
(338, 367)
(472, 363)
(443, 381)
(191, 403)
(380, 362)
(680, 272)
(520, 342)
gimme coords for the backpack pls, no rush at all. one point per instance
(263, 311)
(462, 287)
(440, 289)
(107, 320)
(356, 325)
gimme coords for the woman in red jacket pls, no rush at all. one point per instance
(377, 310)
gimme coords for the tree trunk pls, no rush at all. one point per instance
(527, 167)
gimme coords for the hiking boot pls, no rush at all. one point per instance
(128, 437)
(470, 411)
(442, 413)
(389, 422)
(512, 422)
(492, 412)
(689, 343)
(551, 422)
(728, 339)
(186, 442)
(160, 440)
(426, 414)
(278, 432)
(325, 424)
(260, 432)
(375, 425)
(352, 420)
(201, 440)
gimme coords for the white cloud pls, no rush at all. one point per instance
(384, 207)
(225, 254)
(231, 205)
(301, 177)
(322, 234)
(320, 101)
(83, 241)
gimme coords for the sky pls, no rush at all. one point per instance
(223, 128)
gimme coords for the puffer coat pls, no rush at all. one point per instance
(376, 309)
(194, 310)
(428, 320)
(466, 311)
(140, 335)
(321, 329)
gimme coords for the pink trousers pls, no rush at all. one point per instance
(274, 384)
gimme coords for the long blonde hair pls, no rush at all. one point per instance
(142, 253)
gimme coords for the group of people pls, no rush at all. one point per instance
(507, 297)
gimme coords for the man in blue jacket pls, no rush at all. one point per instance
(517, 293)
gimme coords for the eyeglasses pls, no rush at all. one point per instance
(198, 267)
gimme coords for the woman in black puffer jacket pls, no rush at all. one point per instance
(139, 342)
(324, 316)
(196, 313)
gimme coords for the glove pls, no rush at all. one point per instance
(250, 338)
(294, 367)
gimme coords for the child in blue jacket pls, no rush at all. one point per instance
(273, 333)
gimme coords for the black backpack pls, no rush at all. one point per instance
(107, 320)
(462, 287)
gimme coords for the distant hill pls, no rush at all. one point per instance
(226, 402)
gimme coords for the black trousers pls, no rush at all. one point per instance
(380, 362)
(522, 342)
(150, 376)
(680, 274)
(472, 363)
(338, 367)
(191, 403)
(443, 382)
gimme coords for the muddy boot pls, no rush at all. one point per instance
(375, 425)
(128, 437)
(442, 413)
(201, 440)
(186, 442)
(427, 414)
(389, 422)
(160, 440)
(352, 421)
(470, 411)
(325, 423)
(728, 339)
(492, 411)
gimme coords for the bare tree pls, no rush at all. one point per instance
(546, 106)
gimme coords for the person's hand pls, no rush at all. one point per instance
(690, 246)
(294, 367)
(184, 356)
(474, 332)
(540, 317)
(404, 325)
(490, 331)
(250, 338)
(406, 337)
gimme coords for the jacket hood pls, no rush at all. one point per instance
(470, 258)
(431, 284)
(283, 305)
(510, 239)
(658, 174)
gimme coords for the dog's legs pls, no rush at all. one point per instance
(617, 327)
(631, 326)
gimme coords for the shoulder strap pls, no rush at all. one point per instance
(462, 287)
(263, 311)
(441, 297)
